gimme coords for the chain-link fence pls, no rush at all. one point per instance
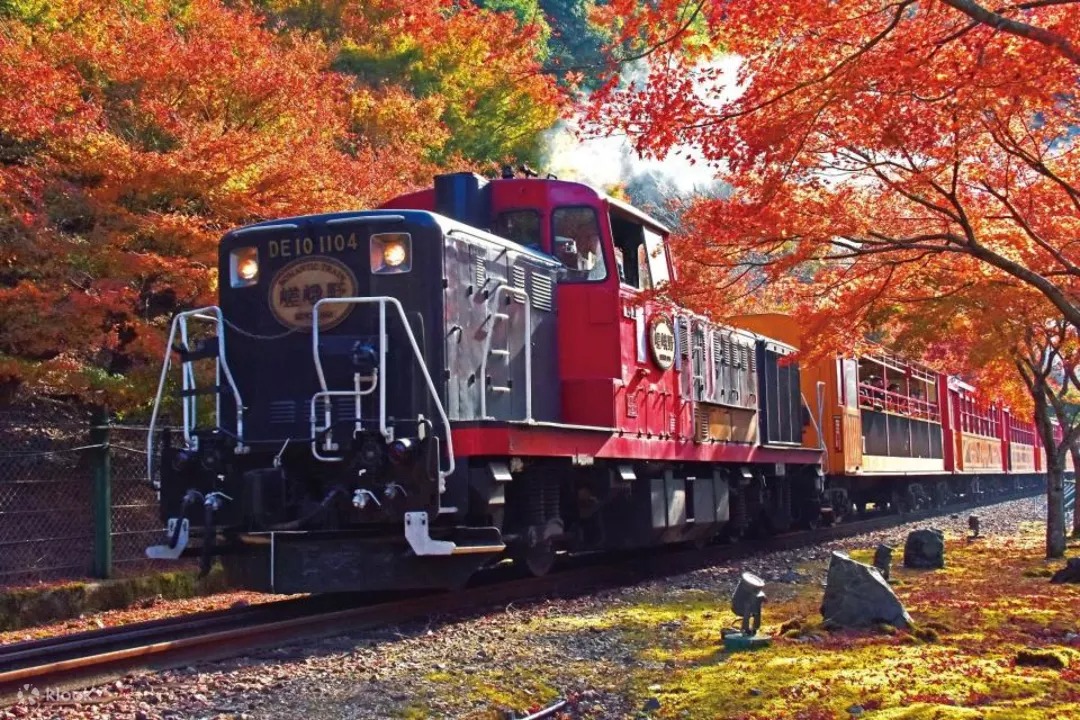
(54, 470)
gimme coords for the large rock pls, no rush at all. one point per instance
(857, 596)
(1068, 574)
(925, 549)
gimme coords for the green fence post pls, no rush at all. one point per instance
(99, 435)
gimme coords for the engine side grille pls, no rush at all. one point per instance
(480, 272)
(517, 279)
(541, 292)
(282, 412)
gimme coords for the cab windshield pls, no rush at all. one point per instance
(576, 243)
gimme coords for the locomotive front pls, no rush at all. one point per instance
(328, 434)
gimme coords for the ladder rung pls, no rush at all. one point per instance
(205, 390)
(202, 351)
(500, 316)
(499, 388)
(500, 353)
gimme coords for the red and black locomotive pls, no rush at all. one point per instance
(400, 396)
(475, 371)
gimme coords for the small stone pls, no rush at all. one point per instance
(1068, 574)
(855, 710)
(925, 549)
(756, 692)
(651, 705)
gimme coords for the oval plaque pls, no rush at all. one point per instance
(662, 341)
(302, 283)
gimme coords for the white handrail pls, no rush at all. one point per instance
(212, 314)
(382, 302)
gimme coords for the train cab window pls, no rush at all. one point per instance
(656, 255)
(576, 243)
(521, 226)
(639, 253)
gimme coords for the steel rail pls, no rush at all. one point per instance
(105, 655)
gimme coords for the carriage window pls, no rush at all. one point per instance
(521, 226)
(576, 243)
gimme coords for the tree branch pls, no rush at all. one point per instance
(1015, 27)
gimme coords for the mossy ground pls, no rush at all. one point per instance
(26, 607)
(990, 603)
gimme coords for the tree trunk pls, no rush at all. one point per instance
(1076, 498)
(1055, 476)
(1055, 509)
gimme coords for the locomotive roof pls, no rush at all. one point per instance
(636, 213)
(420, 217)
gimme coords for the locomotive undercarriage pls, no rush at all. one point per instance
(293, 524)
(545, 506)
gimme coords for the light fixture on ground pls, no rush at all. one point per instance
(746, 602)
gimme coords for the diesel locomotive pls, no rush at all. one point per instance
(394, 398)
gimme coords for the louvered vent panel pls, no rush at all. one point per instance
(753, 360)
(684, 337)
(541, 292)
(701, 424)
(344, 409)
(282, 412)
(517, 279)
(727, 351)
(480, 272)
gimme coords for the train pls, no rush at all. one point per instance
(396, 398)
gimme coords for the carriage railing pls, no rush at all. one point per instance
(376, 383)
(872, 397)
(979, 422)
(1021, 432)
(189, 390)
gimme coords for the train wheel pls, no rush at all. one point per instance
(941, 494)
(536, 559)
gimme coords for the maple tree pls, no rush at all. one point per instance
(880, 155)
(478, 70)
(134, 134)
(1016, 353)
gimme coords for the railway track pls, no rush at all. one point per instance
(86, 658)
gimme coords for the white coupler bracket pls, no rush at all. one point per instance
(164, 552)
(418, 534)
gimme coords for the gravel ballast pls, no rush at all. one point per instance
(487, 665)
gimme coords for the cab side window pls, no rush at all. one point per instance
(639, 252)
(521, 226)
(576, 243)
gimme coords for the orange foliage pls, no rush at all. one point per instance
(883, 158)
(132, 135)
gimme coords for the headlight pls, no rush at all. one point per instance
(391, 253)
(244, 266)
